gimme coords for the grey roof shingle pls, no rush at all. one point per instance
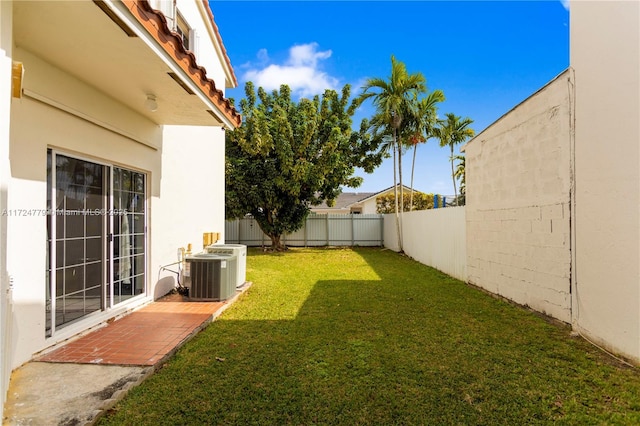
(346, 199)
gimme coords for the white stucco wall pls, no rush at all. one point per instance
(36, 126)
(191, 197)
(390, 232)
(438, 238)
(605, 46)
(194, 13)
(369, 206)
(5, 176)
(184, 166)
(518, 192)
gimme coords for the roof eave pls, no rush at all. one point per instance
(155, 25)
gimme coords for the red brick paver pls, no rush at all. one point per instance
(144, 337)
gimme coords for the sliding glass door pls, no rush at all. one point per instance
(128, 234)
(96, 238)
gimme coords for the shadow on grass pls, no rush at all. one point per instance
(381, 340)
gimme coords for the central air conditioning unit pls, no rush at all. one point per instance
(237, 250)
(212, 277)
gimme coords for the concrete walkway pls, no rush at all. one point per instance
(78, 382)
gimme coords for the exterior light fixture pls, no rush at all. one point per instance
(151, 104)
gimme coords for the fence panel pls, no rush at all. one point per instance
(318, 230)
(368, 230)
(434, 237)
(340, 231)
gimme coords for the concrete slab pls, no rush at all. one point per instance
(44, 393)
(71, 393)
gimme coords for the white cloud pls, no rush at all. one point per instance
(301, 71)
(263, 55)
(306, 55)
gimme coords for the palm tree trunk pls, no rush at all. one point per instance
(395, 191)
(453, 176)
(413, 167)
(401, 189)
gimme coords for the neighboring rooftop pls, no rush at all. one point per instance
(347, 199)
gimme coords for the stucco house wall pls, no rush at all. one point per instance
(605, 41)
(517, 208)
(369, 206)
(208, 53)
(191, 195)
(28, 151)
(6, 16)
(179, 149)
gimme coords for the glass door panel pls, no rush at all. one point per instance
(77, 223)
(129, 251)
(96, 256)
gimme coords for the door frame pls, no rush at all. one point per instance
(107, 285)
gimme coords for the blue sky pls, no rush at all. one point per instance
(486, 56)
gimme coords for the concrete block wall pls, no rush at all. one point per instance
(518, 203)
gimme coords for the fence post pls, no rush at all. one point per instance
(381, 219)
(306, 222)
(327, 216)
(353, 232)
(262, 235)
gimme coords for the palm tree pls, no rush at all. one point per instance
(394, 99)
(460, 174)
(422, 127)
(452, 131)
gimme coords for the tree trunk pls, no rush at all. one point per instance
(453, 176)
(395, 191)
(401, 189)
(413, 167)
(276, 245)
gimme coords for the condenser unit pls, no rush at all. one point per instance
(237, 250)
(211, 276)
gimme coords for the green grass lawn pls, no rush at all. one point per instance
(366, 336)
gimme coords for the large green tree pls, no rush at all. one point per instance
(452, 131)
(394, 99)
(287, 156)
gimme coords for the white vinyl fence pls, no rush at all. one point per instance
(318, 230)
(436, 238)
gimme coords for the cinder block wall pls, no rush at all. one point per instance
(518, 193)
